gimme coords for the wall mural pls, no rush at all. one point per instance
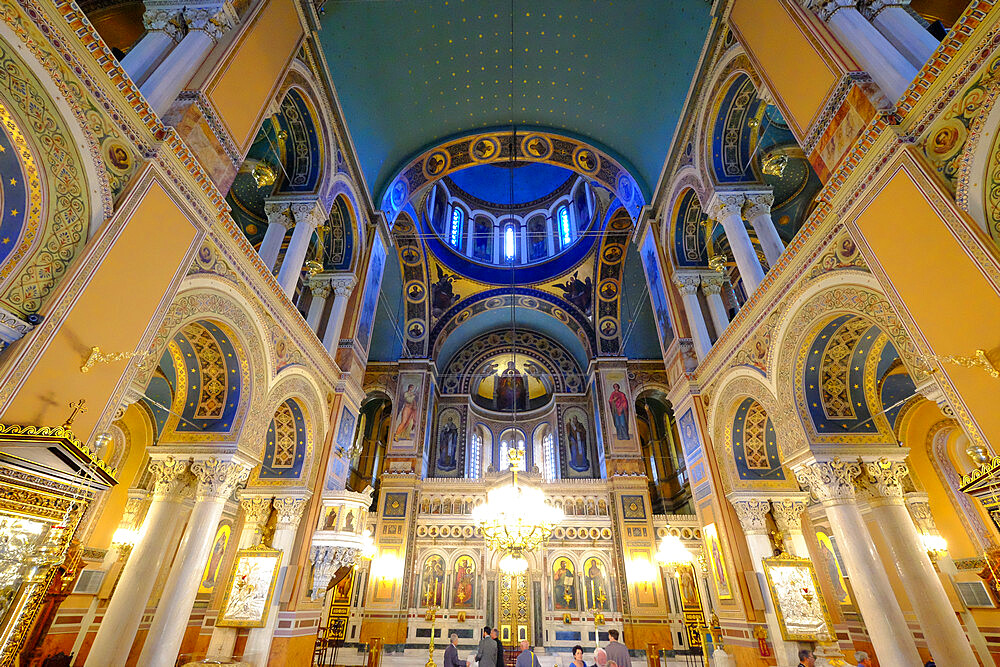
(212, 568)
(595, 585)
(410, 385)
(432, 582)
(449, 458)
(718, 563)
(465, 580)
(574, 442)
(369, 303)
(563, 585)
(657, 292)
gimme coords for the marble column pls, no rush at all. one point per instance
(787, 513)
(727, 209)
(944, 634)
(832, 483)
(711, 284)
(319, 288)
(163, 32)
(752, 513)
(206, 26)
(687, 285)
(217, 479)
(342, 287)
(308, 216)
(289, 510)
(279, 221)
(256, 510)
(896, 24)
(758, 213)
(172, 485)
(874, 53)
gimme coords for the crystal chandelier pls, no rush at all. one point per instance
(516, 520)
(672, 552)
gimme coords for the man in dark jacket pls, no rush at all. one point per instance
(501, 661)
(451, 658)
(486, 656)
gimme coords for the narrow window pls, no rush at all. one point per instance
(456, 227)
(477, 445)
(565, 237)
(548, 446)
(509, 249)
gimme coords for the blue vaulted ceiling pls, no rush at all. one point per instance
(410, 72)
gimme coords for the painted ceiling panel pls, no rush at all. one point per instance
(412, 72)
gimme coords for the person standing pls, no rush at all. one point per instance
(486, 656)
(617, 652)
(526, 658)
(451, 658)
(501, 661)
(806, 658)
(578, 656)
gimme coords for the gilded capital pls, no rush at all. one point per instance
(289, 510)
(725, 205)
(166, 20)
(214, 21)
(752, 513)
(171, 478)
(830, 482)
(278, 213)
(883, 480)
(687, 283)
(758, 204)
(217, 478)
(319, 287)
(256, 509)
(787, 513)
(712, 283)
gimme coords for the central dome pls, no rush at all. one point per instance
(518, 215)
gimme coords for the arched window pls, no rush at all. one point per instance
(565, 234)
(475, 449)
(509, 247)
(511, 439)
(549, 449)
(455, 233)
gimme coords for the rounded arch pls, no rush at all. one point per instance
(831, 302)
(205, 298)
(342, 186)
(294, 385)
(685, 233)
(731, 130)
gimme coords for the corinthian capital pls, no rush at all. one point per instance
(278, 213)
(712, 282)
(826, 8)
(725, 204)
(343, 285)
(309, 213)
(752, 513)
(787, 513)
(218, 478)
(687, 283)
(256, 509)
(319, 287)
(171, 478)
(757, 204)
(831, 482)
(214, 20)
(326, 561)
(166, 20)
(883, 480)
(872, 8)
(289, 510)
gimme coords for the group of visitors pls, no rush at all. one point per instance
(490, 653)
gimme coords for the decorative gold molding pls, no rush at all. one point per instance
(98, 357)
(978, 360)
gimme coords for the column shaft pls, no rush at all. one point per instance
(942, 630)
(711, 284)
(128, 604)
(295, 255)
(878, 605)
(147, 55)
(909, 37)
(271, 245)
(169, 78)
(726, 208)
(688, 286)
(319, 293)
(342, 290)
(170, 621)
(770, 242)
(887, 66)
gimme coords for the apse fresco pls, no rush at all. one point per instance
(511, 382)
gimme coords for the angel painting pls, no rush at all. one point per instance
(443, 294)
(578, 292)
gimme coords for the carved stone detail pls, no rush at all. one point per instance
(278, 213)
(687, 283)
(725, 205)
(309, 213)
(256, 509)
(787, 514)
(326, 561)
(830, 482)
(171, 478)
(343, 286)
(320, 288)
(166, 20)
(218, 478)
(883, 480)
(213, 21)
(289, 510)
(712, 283)
(826, 8)
(753, 515)
(872, 8)
(920, 512)
(759, 203)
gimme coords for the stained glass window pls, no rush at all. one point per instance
(455, 237)
(565, 235)
(509, 248)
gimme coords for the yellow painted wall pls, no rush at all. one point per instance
(940, 285)
(112, 312)
(245, 81)
(797, 72)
